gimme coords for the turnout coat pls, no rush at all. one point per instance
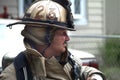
(41, 68)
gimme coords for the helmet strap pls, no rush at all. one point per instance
(47, 40)
(47, 37)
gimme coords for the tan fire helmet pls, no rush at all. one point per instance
(51, 13)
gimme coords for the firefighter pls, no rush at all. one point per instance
(45, 38)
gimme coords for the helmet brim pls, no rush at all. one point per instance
(37, 24)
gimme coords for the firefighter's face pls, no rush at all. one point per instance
(59, 41)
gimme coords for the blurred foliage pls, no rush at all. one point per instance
(112, 73)
(111, 58)
(111, 54)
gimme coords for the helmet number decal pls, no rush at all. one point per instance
(38, 15)
(52, 15)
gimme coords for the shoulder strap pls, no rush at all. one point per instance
(21, 65)
(76, 68)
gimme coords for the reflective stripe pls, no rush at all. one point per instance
(25, 73)
(96, 77)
